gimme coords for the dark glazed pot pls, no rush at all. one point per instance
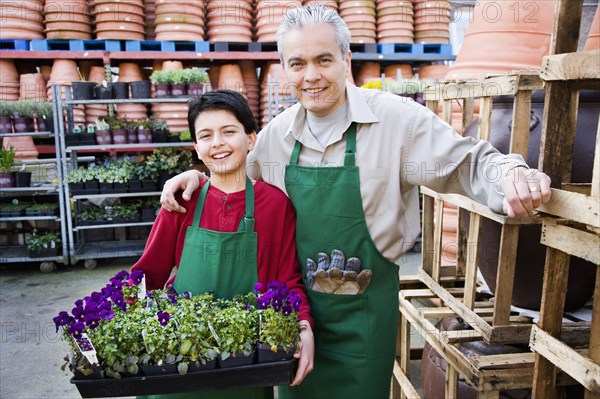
(530, 253)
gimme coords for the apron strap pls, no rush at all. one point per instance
(247, 222)
(349, 156)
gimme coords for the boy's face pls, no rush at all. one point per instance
(222, 144)
(315, 68)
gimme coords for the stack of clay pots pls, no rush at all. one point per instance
(398, 71)
(394, 21)
(432, 18)
(367, 72)
(360, 18)
(229, 20)
(434, 72)
(331, 4)
(273, 81)
(33, 87)
(9, 80)
(21, 19)
(178, 21)
(175, 114)
(231, 78)
(64, 72)
(67, 19)
(252, 86)
(150, 18)
(119, 20)
(131, 72)
(95, 111)
(268, 17)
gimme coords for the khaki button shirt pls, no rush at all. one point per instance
(399, 146)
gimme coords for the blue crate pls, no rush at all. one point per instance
(414, 48)
(154, 45)
(75, 45)
(443, 49)
(14, 44)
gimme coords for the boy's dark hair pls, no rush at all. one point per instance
(221, 100)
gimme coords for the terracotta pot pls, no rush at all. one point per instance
(403, 71)
(230, 77)
(130, 72)
(496, 43)
(368, 70)
(172, 65)
(435, 72)
(593, 39)
(530, 253)
(97, 74)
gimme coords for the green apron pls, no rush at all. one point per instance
(355, 335)
(224, 263)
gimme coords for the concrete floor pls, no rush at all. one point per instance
(31, 352)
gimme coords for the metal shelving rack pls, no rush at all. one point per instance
(79, 249)
(19, 253)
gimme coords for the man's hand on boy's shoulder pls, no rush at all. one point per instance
(524, 190)
(188, 181)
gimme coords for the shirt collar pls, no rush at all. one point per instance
(358, 112)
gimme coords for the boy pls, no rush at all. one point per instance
(235, 231)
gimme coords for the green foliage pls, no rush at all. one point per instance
(237, 328)
(115, 170)
(196, 75)
(38, 241)
(43, 108)
(185, 135)
(82, 174)
(24, 109)
(92, 212)
(102, 124)
(161, 77)
(7, 158)
(6, 108)
(171, 159)
(147, 171)
(126, 211)
(157, 126)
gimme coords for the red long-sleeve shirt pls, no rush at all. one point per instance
(275, 224)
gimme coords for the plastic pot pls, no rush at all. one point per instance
(83, 90)
(120, 90)
(140, 89)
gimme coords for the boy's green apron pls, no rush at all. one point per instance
(224, 263)
(355, 335)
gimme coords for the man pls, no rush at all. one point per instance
(351, 159)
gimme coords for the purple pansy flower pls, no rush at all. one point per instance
(75, 329)
(163, 318)
(62, 319)
(107, 314)
(92, 320)
(137, 276)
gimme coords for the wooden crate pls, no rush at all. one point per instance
(491, 321)
(574, 229)
(487, 374)
(499, 329)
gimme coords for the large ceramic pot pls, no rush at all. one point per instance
(593, 39)
(530, 253)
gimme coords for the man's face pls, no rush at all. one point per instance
(315, 69)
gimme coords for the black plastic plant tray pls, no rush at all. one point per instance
(251, 376)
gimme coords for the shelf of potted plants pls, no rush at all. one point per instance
(115, 182)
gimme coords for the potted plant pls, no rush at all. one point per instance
(119, 90)
(150, 209)
(131, 131)
(82, 180)
(196, 78)
(114, 174)
(83, 89)
(103, 135)
(162, 83)
(43, 244)
(88, 135)
(278, 322)
(22, 178)
(237, 331)
(179, 80)
(144, 177)
(23, 112)
(7, 159)
(117, 128)
(91, 215)
(72, 138)
(160, 131)
(126, 213)
(6, 113)
(44, 116)
(42, 209)
(144, 134)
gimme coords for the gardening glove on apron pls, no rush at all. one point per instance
(337, 276)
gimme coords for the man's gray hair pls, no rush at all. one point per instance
(300, 17)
